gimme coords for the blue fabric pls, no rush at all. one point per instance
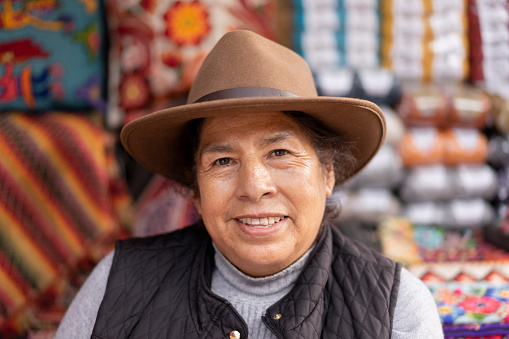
(52, 55)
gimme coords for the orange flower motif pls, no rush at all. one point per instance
(187, 23)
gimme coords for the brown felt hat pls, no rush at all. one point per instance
(247, 74)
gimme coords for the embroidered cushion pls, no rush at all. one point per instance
(51, 55)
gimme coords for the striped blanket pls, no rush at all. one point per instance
(59, 208)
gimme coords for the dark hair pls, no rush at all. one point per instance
(329, 147)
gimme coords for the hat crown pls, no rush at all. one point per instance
(245, 59)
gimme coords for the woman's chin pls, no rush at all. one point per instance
(264, 260)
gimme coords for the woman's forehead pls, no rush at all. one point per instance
(266, 127)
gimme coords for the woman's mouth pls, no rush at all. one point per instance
(261, 222)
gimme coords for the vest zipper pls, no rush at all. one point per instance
(268, 322)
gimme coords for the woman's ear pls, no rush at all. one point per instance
(330, 178)
(197, 203)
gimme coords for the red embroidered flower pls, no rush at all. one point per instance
(171, 59)
(134, 91)
(149, 5)
(484, 305)
(187, 23)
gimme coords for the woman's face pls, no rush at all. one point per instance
(262, 190)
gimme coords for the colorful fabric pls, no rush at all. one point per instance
(51, 55)
(415, 244)
(472, 298)
(472, 309)
(158, 46)
(163, 207)
(60, 203)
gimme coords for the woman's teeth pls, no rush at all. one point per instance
(261, 222)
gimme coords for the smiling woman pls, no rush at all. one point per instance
(255, 161)
(261, 153)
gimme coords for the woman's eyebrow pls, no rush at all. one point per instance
(223, 148)
(275, 138)
(216, 148)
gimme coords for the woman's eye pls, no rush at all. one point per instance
(280, 152)
(222, 162)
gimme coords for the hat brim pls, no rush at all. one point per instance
(152, 139)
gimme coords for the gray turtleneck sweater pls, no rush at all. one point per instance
(252, 296)
(415, 316)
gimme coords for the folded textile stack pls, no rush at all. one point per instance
(425, 39)
(413, 244)
(332, 33)
(489, 42)
(369, 197)
(498, 158)
(375, 84)
(449, 182)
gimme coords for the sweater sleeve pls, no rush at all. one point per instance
(416, 314)
(79, 320)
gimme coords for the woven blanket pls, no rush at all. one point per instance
(59, 206)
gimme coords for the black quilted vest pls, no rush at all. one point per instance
(159, 287)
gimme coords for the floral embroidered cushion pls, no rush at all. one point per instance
(158, 47)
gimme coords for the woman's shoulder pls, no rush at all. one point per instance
(416, 313)
(357, 251)
(191, 235)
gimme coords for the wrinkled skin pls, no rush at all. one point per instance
(250, 169)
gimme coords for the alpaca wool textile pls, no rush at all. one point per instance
(58, 204)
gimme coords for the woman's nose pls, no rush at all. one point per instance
(255, 181)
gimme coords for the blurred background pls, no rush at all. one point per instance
(73, 72)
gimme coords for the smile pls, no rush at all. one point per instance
(261, 222)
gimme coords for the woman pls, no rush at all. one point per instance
(261, 153)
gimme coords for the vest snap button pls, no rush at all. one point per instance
(277, 316)
(234, 335)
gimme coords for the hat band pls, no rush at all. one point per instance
(245, 92)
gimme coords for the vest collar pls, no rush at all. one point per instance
(294, 311)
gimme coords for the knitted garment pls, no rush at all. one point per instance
(250, 296)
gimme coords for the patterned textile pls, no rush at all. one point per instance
(51, 55)
(415, 244)
(60, 208)
(163, 207)
(472, 300)
(158, 47)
